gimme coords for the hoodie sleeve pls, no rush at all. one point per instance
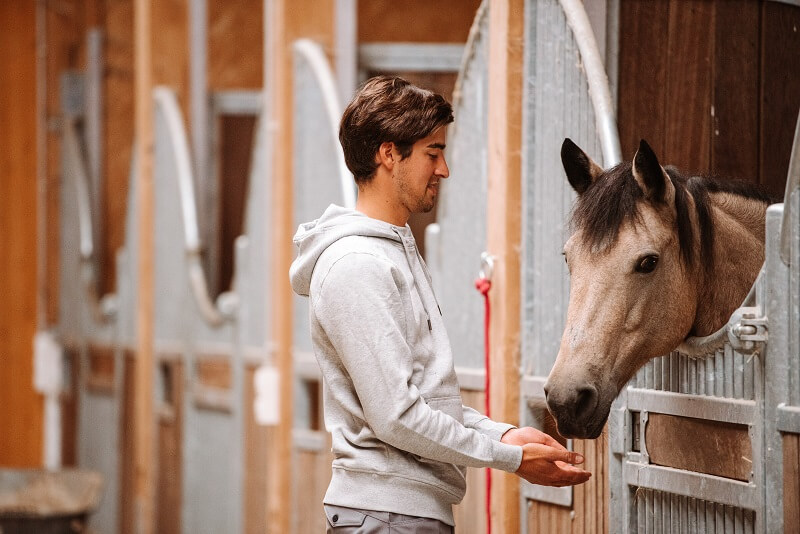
(359, 305)
(476, 420)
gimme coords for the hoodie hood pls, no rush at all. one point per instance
(312, 238)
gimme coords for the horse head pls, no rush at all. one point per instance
(637, 279)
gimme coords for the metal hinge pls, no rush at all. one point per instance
(750, 331)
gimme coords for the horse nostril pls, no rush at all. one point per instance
(585, 402)
(546, 391)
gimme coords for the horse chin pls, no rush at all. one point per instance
(572, 431)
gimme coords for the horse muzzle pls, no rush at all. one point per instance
(579, 411)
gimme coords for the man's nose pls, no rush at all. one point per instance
(443, 170)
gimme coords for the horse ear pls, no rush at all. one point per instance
(650, 175)
(581, 170)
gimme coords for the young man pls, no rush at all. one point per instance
(401, 437)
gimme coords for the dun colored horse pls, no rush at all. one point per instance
(654, 258)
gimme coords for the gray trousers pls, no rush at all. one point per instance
(343, 520)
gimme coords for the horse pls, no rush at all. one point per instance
(655, 257)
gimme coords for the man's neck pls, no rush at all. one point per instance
(373, 204)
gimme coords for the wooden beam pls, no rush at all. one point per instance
(21, 424)
(279, 84)
(504, 231)
(144, 486)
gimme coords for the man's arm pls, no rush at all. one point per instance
(359, 306)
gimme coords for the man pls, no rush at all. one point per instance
(401, 437)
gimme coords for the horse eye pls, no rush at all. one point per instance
(647, 264)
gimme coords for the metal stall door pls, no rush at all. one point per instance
(320, 179)
(566, 94)
(710, 443)
(455, 242)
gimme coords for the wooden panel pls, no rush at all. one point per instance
(21, 415)
(126, 460)
(235, 44)
(214, 371)
(255, 462)
(503, 231)
(735, 140)
(642, 74)
(100, 374)
(69, 407)
(589, 512)
(780, 86)
(170, 37)
(416, 20)
(688, 85)
(118, 130)
(236, 139)
(311, 476)
(470, 515)
(725, 449)
(791, 482)
(169, 495)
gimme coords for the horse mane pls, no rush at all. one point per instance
(613, 199)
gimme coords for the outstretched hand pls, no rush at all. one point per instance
(544, 460)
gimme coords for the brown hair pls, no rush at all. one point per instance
(388, 109)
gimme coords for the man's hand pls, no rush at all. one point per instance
(544, 460)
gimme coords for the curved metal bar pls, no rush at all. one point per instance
(103, 309)
(227, 303)
(603, 105)
(312, 53)
(792, 185)
(469, 50)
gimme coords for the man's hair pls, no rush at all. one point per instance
(388, 109)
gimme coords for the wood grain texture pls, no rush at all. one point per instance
(444, 21)
(235, 44)
(735, 132)
(21, 425)
(780, 90)
(255, 462)
(690, 49)
(169, 487)
(724, 451)
(642, 74)
(100, 374)
(470, 515)
(504, 233)
(126, 438)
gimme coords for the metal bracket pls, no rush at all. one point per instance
(748, 329)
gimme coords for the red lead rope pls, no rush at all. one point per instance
(484, 285)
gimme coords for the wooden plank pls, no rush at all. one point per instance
(235, 44)
(144, 475)
(169, 489)
(688, 85)
(791, 482)
(69, 407)
(724, 451)
(255, 462)
(21, 421)
(415, 20)
(170, 40)
(118, 134)
(100, 374)
(503, 234)
(642, 74)
(470, 515)
(214, 371)
(780, 90)
(127, 464)
(734, 145)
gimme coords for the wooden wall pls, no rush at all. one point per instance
(713, 86)
(21, 413)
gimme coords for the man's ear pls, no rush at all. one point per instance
(387, 154)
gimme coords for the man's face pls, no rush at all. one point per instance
(417, 178)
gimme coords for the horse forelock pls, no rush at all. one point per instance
(615, 198)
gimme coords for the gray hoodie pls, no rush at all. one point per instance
(401, 437)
